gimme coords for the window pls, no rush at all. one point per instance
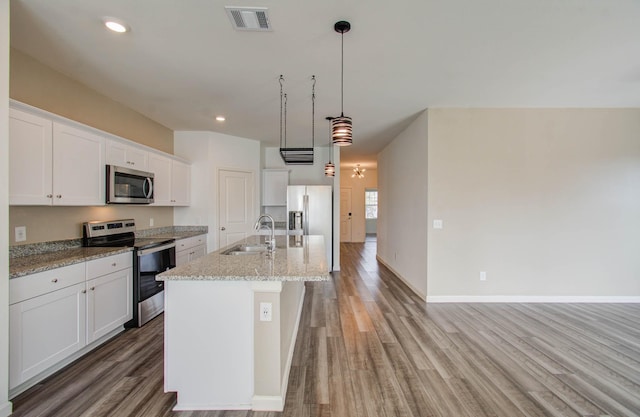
(371, 204)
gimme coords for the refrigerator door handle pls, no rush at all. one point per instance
(305, 215)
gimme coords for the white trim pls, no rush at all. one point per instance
(6, 409)
(197, 407)
(267, 403)
(531, 299)
(397, 274)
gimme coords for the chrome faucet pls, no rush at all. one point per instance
(271, 244)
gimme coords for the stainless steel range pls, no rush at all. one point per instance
(151, 256)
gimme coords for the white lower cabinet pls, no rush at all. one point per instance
(57, 313)
(190, 249)
(45, 330)
(109, 303)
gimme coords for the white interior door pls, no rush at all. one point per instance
(345, 215)
(235, 211)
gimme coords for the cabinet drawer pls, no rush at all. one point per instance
(109, 264)
(190, 242)
(29, 286)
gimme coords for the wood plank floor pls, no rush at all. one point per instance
(368, 346)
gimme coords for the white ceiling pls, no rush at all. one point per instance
(182, 63)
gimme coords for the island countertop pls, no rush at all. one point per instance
(297, 258)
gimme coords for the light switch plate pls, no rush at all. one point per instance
(21, 233)
(437, 224)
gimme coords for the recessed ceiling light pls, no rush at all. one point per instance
(115, 25)
(220, 118)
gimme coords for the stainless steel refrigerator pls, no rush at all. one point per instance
(315, 202)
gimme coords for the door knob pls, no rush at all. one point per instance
(223, 228)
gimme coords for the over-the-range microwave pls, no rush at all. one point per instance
(128, 186)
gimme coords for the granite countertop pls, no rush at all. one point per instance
(297, 258)
(44, 256)
(40, 262)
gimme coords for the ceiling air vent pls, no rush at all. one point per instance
(249, 18)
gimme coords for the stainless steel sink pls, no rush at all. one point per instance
(245, 250)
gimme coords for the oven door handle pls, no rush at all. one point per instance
(156, 249)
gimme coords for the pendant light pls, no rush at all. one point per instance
(329, 167)
(341, 127)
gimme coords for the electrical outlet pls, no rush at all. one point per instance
(265, 311)
(151, 222)
(21, 233)
(483, 276)
(437, 224)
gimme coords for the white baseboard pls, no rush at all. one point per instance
(401, 278)
(6, 409)
(530, 299)
(267, 403)
(201, 407)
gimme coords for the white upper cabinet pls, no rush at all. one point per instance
(78, 167)
(274, 187)
(171, 182)
(180, 183)
(53, 164)
(160, 165)
(30, 161)
(123, 155)
(56, 161)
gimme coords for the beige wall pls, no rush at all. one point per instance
(36, 84)
(33, 83)
(358, 186)
(59, 223)
(402, 205)
(546, 201)
(5, 405)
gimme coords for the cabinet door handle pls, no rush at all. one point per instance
(54, 280)
(84, 291)
(92, 288)
(113, 264)
(49, 195)
(59, 196)
(223, 228)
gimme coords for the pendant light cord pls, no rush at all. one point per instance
(313, 111)
(342, 74)
(281, 80)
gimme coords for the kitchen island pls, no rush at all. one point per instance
(231, 322)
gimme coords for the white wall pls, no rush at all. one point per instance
(358, 186)
(546, 201)
(208, 152)
(5, 405)
(402, 205)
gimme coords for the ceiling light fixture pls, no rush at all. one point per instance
(115, 25)
(342, 127)
(329, 167)
(358, 172)
(220, 118)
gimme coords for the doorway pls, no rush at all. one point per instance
(345, 214)
(235, 205)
